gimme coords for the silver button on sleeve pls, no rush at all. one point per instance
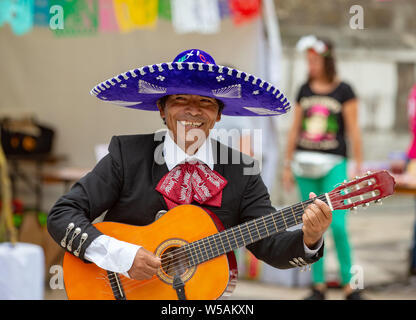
(68, 230)
(77, 231)
(84, 237)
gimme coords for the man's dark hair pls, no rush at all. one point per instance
(162, 103)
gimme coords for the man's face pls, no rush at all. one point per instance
(191, 115)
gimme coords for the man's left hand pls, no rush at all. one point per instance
(316, 220)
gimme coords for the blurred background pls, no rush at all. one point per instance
(53, 131)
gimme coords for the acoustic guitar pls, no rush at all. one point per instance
(196, 252)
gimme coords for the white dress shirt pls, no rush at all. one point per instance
(114, 255)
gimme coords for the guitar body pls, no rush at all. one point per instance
(183, 224)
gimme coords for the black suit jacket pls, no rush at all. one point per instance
(124, 181)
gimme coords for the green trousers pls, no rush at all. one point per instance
(338, 226)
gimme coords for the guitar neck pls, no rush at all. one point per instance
(246, 233)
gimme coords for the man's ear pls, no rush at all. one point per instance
(218, 117)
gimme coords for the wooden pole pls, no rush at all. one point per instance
(6, 217)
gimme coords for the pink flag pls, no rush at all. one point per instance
(107, 18)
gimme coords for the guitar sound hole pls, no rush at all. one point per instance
(174, 261)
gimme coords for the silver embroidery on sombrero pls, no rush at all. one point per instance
(149, 88)
(123, 103)
(233, 91)
(263, 111)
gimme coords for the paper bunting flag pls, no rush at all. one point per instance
(5, 7)
(18, 13)
(135, 14)
(41, 13)
(244, 10)
(196, 16)
(80, 17)
(107, 18)
(224, 8)
(164, 10)
(144, 13)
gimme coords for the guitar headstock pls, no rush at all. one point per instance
(362, 190)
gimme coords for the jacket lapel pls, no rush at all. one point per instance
(159, 168)
(220, 156)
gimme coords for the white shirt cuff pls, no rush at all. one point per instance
(111, 254)
(309, 253)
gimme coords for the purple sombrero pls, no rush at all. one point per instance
(194, 72)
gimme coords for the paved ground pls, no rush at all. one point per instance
(381, 237)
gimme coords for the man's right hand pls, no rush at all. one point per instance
(145, 265)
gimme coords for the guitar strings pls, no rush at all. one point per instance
(132, 283)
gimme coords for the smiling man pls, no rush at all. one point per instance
(146, 175)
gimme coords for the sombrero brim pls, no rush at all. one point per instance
(242, 94)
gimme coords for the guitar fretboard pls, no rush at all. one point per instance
(246, 233)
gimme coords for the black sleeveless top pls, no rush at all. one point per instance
(323, 123)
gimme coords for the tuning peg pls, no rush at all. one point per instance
(368, 173)
(378, 201)
(365, 205)
(353, 209)
(357, 177)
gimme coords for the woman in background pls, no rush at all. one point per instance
(316, 157)
(411, 165)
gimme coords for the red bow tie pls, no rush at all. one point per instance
(188, 182)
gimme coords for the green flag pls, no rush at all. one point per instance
(80, 17)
